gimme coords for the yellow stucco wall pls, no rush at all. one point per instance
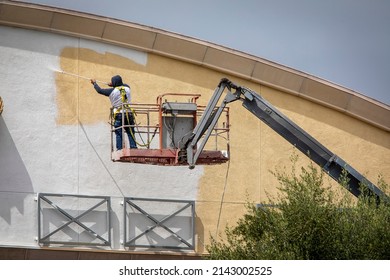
(255, 148)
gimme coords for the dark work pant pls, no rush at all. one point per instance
(128, 120)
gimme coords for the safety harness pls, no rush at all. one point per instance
(127, 108)
(124, 105)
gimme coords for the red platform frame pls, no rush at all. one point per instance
(167, 156)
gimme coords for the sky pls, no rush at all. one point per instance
(346, 42)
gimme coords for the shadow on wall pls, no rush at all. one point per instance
(150, 230)
(13, 174)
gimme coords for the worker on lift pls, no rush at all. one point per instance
(120, 97)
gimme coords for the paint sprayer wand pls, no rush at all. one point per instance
(79, 76)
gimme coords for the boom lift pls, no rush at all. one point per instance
(262, 109)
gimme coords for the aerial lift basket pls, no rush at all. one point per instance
(162, 129)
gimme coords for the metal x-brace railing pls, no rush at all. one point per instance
(160, 223)
(46, 239)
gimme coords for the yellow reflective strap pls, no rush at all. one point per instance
(128, 107)
(123, 93)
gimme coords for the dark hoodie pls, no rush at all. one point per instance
(116, 81)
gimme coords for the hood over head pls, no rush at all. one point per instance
(116, 81)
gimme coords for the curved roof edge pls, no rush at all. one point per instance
(44, 18)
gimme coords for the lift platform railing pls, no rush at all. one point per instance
(160, 128)
(144, 115)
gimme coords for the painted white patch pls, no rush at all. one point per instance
(136, 56)
(31, 108)
(68, 159)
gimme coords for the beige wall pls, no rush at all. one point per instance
(255, 148)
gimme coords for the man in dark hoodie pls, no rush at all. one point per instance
(119, 94)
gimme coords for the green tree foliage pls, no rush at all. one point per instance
(310, 221)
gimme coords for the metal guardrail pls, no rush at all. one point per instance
(83, 220)
(159, 223)
(74, 219)
(159, 132)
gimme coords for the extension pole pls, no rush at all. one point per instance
(79, 76)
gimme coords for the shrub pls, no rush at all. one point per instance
(310, 221)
